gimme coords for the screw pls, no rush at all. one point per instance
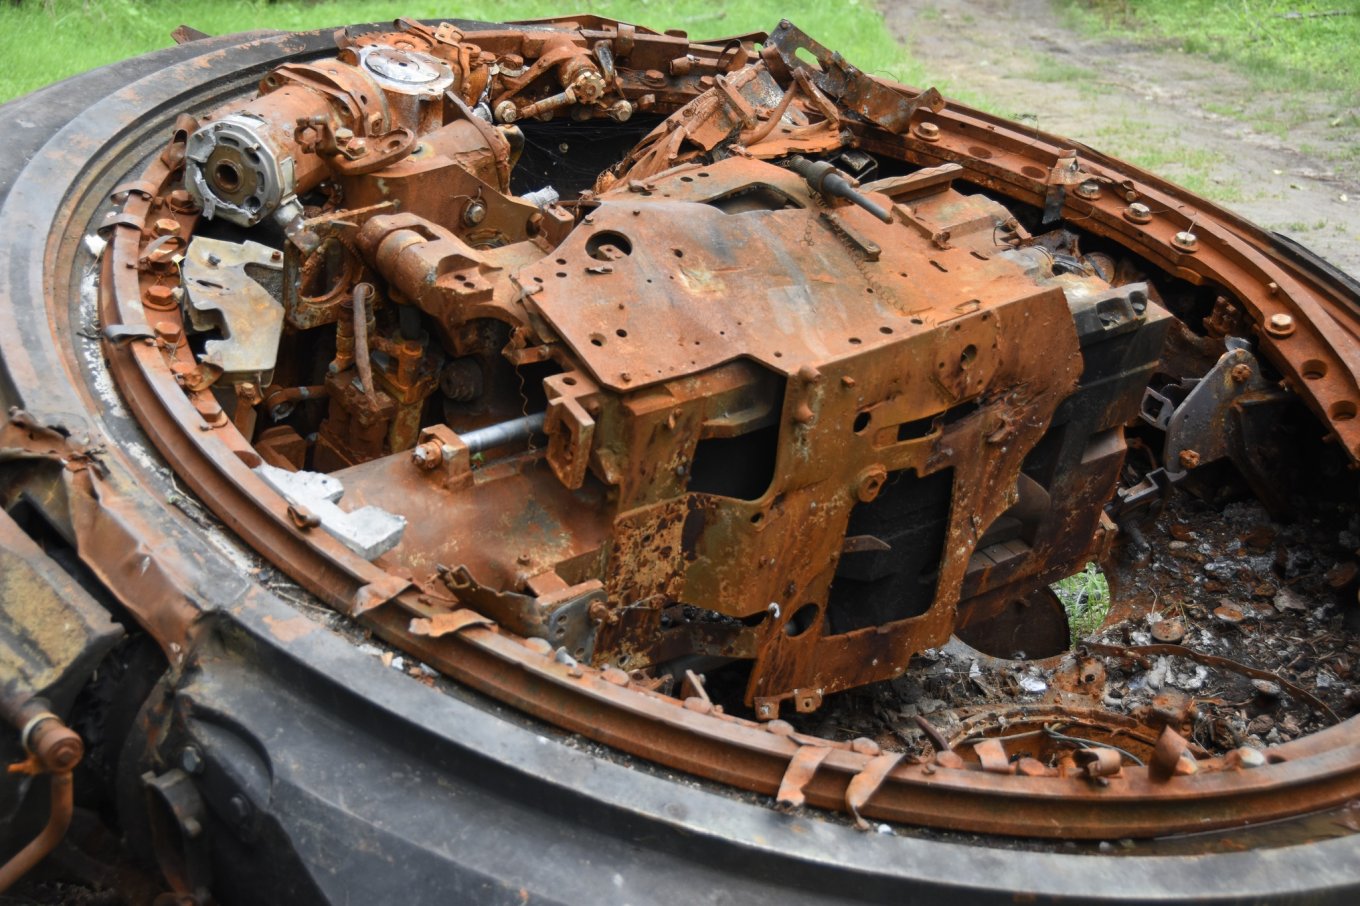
(474, 213)
(1138, 213)
(1189, 459)
(1185, 240)
(928, 132)
(1241, 373)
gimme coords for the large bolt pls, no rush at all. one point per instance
(1186, 241)
(474, 213)
(160, 297)
(927, 131)
(1089, 189)
(1138, 213)
(1280, 325)
(181, 202)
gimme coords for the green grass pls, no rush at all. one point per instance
(1311, 51)
(1157, 151)
(1086, 598)
(43, 41)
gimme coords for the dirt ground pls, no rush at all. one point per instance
(1289, 161)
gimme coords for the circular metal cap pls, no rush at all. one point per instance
(407, 71)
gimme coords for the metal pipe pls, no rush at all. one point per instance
(756, 134)
(503, 433)
(54, 749)
(296, 395)
(58, 820)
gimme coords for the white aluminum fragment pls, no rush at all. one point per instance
(368, 531)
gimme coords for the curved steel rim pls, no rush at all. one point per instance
(1317, 771)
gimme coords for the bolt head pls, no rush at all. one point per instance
(474, 213)
(191, 760)
(1186, 240)
(1089, 189)
(1280, 324)
(1138, 213)
(240, 808)
(928, 131)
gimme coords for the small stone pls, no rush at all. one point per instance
(1229, 614)
(1342, 574)
(1259, 537)
(1286, 599)
(1266, 688)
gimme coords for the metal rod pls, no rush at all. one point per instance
(361, 361)
(828, 181)
(55, 749)
(503, 433)
(58, 820)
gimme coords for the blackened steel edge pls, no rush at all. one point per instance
(540, 678)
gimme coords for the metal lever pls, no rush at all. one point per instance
(826, 180)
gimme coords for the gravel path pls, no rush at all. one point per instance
(1276, 158)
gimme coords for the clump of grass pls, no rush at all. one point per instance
(43, 41)
(1086, 598)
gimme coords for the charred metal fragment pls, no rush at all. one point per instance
(773, 393)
